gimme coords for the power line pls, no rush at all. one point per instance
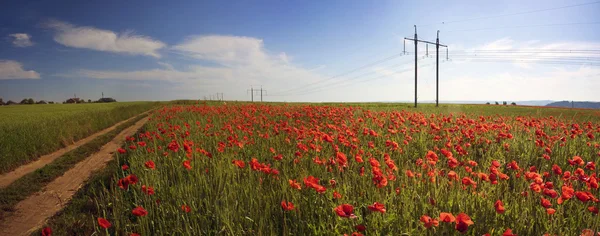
(523, 26)
(511, 14)
(357, 82)
(344, 73)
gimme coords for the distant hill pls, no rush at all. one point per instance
(592, 105)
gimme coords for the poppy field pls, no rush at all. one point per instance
(247, 169)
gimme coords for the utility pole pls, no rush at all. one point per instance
(252, 91)
(437, 45)
(437, 69)
(251, 94)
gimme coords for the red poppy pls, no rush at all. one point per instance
(508, 232)
(360, 228)
(463, 221)
(124, 167)
(336, 195)
(546, 203)
(121, 150)
(134, 234)
(499, 207)
(47, 231)
(447, 217)
(294, 184)
(150, 165)
(187, 164)
(147, 190)
(582, 196)
(239, 163)
(186, 208)
(139, 211)
(377, 207)
(103, 223)
(345, 210)
(428, 222)
(593, 209)
(287, 206)
(550, 211)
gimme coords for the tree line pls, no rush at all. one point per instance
(30, 101)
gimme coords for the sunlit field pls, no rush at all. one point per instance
(29, 131)
(246, 169)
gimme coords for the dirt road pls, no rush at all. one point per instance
(31, 213)
(7, 178)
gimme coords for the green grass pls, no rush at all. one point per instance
(35, 181)
(231, 201)
(30, 131)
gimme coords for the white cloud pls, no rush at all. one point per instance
(14, 70)
(21, 40)
(104, 40)
(238, 63)
(224, 49)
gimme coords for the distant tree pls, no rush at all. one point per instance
(10, 102)
(1, 102)
(73, 100)
(497, 103)
(41, 102)
(50, 102)
(89, 100)
(82, 101)
(504, 103)
(27, 101)
(487, 103)
(513, 103)
(106, 100)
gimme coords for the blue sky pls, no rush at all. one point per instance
(159, 50)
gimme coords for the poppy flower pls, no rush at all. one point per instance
(336, 195)
(360, 228)
(186, 208)
(545, 203)
(294, 184)
(147, 190)
(377, 207)
(134, 234)
(447, 217)
(47, 231)
(550, 211)
(103, 223)
(287, 206)
(239, 163)
(139, 211)
(345, 210)
(187, 164)
(121, 150)
(124, 167)
(508, 232)
(429, 222)
(582, 196)
(593, 209)
(499, 207)
(463, 221)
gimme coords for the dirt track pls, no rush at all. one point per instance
(7, 178)
(31, 213)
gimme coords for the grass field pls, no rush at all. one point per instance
(29, 131)
(365, 169)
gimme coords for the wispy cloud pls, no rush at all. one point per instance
(104, 40)
(21, 40)
(14, 70)
(238, 62)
